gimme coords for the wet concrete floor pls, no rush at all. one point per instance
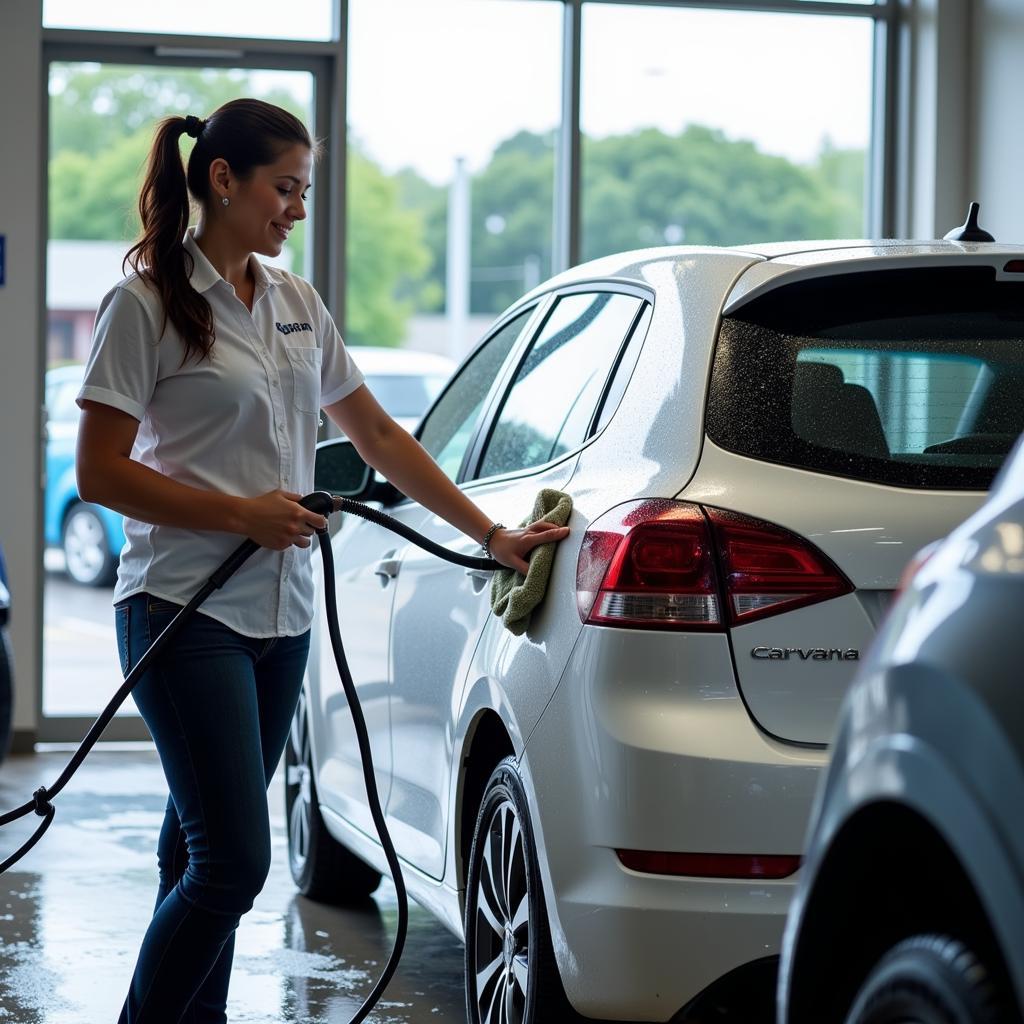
(74, 909)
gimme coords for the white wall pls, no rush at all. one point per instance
(997, 150)
(24, 177)
(961, 135)
(934, 145)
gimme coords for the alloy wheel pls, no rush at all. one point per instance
(299, 789)
(85, 546)
(503, 922)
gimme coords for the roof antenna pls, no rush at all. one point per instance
(969, 230)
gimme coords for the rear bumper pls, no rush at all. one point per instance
(629, 755)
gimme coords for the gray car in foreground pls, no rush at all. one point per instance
(910, 909)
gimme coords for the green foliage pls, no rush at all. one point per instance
(700, 187)
(102, 120)
(384, 247)
(514, 195)
(92, 106)
(641, 189)
(94, 196)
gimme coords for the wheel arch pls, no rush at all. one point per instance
(888, 873)
(487, 742)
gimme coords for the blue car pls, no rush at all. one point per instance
(90, 536)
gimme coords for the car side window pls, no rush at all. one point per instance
(551, 404)
(449, 426)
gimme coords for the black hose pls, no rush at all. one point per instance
(324, 504)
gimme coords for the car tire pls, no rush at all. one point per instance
(6, 692)
(927, 979)
(321, 867)
(509, 959)
(87, 556)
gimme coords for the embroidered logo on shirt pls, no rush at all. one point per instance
(290, 328)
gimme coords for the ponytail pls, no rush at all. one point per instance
(158, 256)
(247, 134)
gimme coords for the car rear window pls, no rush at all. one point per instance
(909, 377)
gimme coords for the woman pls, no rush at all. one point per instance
(199, 415)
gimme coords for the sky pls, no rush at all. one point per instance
(434, 80)
(457, 85)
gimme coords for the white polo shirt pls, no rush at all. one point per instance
(242, 422)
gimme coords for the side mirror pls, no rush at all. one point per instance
(340, 469)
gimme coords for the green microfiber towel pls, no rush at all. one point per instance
(513, 595)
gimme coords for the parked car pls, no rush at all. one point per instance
(92, 536)
(6, 662)
(911, 903)
(613, 805)
(403, 381)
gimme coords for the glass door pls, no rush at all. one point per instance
(101, 120)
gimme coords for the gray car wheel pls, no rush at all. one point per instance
(511, 974)
(928, 979)
(87, 556)
(321, 867)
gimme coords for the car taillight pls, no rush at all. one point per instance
(660, 564)
(649, 564)
(767, 570)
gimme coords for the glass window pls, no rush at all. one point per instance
(722, 127)
(102, 120)
(623, 371)
(454, 113)
(909, 377)
(919, 398)
(551, 405)
(259, 19)
(449, 428)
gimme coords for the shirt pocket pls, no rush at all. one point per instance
(305, 366)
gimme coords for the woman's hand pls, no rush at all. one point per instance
(276, 520)
(510, 547)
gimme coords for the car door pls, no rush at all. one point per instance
(541, 417)
(368, 559)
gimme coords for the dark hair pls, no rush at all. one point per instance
(247, 134)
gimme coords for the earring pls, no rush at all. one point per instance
(225, 201)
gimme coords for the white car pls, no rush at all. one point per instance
(405, 382)
(611, 807)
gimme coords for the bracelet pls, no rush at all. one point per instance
(485, 543)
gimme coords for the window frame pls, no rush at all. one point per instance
(529, 327)
(62, 46)
(326, 60)
(475, 453)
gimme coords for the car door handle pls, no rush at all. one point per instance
(479, 578)
(387, 568)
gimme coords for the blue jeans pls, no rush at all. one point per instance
(218, 705)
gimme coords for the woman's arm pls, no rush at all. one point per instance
(400, 458)
(109, 476)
